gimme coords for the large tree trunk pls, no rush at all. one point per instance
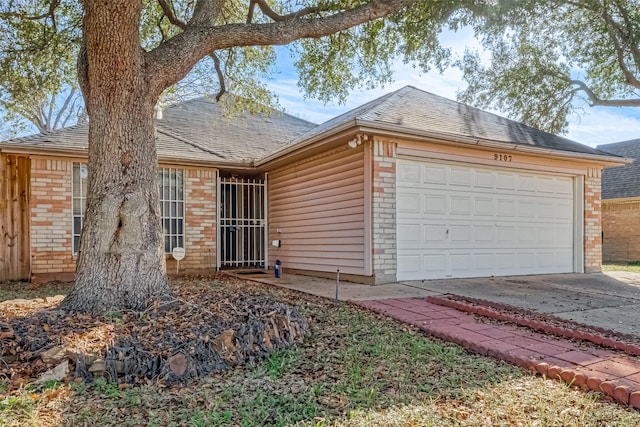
(121, 261)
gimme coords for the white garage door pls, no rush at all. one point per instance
(466, 221)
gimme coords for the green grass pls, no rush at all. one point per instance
(633, 267)
(25, 290)
(353, 369)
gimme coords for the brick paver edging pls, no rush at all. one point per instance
(477, 308)
(457, 326)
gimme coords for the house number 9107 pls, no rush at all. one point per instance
(502, 157)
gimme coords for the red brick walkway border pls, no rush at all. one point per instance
(604, 370)
(603, 338)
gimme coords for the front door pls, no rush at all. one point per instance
(242, 223)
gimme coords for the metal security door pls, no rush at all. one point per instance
(242, 222)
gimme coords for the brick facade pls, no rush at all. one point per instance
(200, 221)
(51, 219)
(621, 230)
(592, 221)
(384, 211)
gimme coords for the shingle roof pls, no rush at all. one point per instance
(201, 122)
(198, 130)
(74, 138)
(622, 181)
(194, 130)
(417, 111)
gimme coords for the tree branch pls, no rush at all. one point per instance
(168, 11)
(172, 60)
(48, 14)
(267, 11)
(64, 107)
(216, 63)
(595, 100)
(206, 12)
(630, 78)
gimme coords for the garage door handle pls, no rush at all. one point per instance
(447, 233)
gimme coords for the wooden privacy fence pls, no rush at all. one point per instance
(14, 217)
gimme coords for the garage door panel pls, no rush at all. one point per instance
(435, 204)
(435, 234)
(505, 181)
(484, 179)
(505, 208)
(408, 172)
(564, 186)
(411, 265)
(483, 206)
(462, 264)
(527, 183)
(460, 205)
(461, 177)
(409, 235)
(408, 203)
(435, 264)
(435, 174)
(482, 221)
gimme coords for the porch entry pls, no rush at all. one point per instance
(242, 222)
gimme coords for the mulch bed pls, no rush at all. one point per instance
(206, 328)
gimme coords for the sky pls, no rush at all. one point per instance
(600, 125)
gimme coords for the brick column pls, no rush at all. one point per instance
(592, 221)
(200, 220)
(384, 211)
(51, 220)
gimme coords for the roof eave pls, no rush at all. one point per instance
(33, 150)
(323, 136)
(630, 199)
(398, 130)
(30, 149)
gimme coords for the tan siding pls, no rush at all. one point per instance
(318, 203)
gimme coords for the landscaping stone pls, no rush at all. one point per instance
(54, 355)
(178, 364)
(58, 373)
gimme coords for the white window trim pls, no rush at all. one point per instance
(180, 215)
(173, 198)
(83, 205)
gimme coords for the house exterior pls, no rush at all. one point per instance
(621, 205)
(409, 186)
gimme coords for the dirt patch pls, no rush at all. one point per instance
(205, 329)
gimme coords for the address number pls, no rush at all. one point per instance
(502, 157)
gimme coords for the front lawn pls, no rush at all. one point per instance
(354, 368)
(631, 267)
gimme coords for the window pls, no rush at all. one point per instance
(171, 186)
(79, 196)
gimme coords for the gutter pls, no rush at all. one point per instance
(488, 143)
(82, 154)
(401, 131)
(305, 143)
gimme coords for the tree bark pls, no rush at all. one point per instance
(121, 263)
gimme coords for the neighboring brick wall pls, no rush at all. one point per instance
(200, 221)
(592, 221)
(621, 229)
(384, 211)
(51, 219)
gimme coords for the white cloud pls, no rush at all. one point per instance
(598, 126)
(605, 125)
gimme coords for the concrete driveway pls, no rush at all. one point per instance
(609, 300)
